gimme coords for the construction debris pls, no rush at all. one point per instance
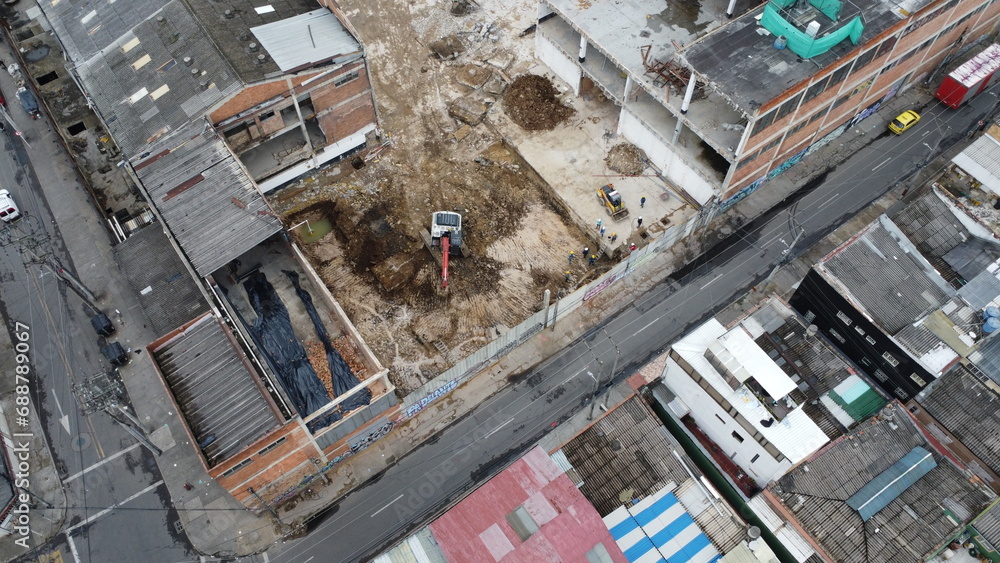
(532, 102)
(627, 159)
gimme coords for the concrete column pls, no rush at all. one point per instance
(583, 48)
(677, 131)
(688, 94)
(545, 307)
(629, 84)
(731, 8)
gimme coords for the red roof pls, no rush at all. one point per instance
(477, 531)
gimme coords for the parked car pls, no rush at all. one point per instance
(904, 121)
(8, 209)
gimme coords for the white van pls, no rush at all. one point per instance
(8, 209)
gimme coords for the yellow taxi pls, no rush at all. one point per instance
(904, 121)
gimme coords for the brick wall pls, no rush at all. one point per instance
(268, 466)
(347, 118)
(794, 123)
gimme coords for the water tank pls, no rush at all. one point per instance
(753, 532)
(781, 42)
(812, 30)
(991, 311)
(991, 324)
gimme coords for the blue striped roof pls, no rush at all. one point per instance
(659, 529)
(891, 483)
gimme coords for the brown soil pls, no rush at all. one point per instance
(626, 158)
(516, 239)
(533, 103)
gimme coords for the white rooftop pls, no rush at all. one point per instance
(982, 160)
(756, 363)
(306, 39)
(796, 435)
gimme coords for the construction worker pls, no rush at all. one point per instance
(638, 222)
(614, 237)
(599, 221)
(586, 250)
(572, 255)
(567, 275)
(593, 258)
(631, 247)
(602, 231)
(642, 201)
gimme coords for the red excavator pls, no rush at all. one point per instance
(446, 232)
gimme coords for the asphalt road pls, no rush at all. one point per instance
(501, 429)
(101, 465)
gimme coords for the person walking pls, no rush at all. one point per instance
(642, 201)
(592, 259)
(567, 275)
(602, 230)
(586, 251)
(572, 255)
(599, 221)
(638, 222)
(614, 237)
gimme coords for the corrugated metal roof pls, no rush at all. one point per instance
(987, 358)
(792, 540)
(660, 526)
(214, 388)
(891, 483)
(978, 67)
(981, 290)
(982, 160)
(211, 206)
(988, 525)
(760, 366)
(972, 257)
(306, 39)
(969, 410)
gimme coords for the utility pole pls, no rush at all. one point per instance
(266, 506)
(102, 393)
(614, 368)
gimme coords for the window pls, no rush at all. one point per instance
(599, 554)
(237, 467)
(870, 340)
(880, 375)
(917, 379)
(841, 101)
(787, 107)
(763, 123)
(836, 335)
(839, 75)
(890, 359)
(346, 78)
(755, 458)
(844, 318)
(272, 445)
(167, 65)
(141, 62)
(864, 59)
(816, 89)
(522, 523)
(770, 146)
(886, 46)
(737, 436)
(747, 160)
(859, 330)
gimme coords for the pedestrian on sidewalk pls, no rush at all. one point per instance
(602, 231)
(642, 202)
(593, 258)
(614, 237)
(567, 275)
(639, 222)
(572, 255)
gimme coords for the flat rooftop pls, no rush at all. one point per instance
(740, 59)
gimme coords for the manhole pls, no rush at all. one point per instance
(81, 442)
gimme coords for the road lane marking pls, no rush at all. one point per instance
(884, 162)
(497, 429)
(111, 508)
(711, 282)
(834, 196)
(386, 506)
(72, 548)
(102, 462)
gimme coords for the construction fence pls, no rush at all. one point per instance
(560, 307)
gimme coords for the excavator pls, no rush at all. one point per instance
(612, 201)
(446, 232)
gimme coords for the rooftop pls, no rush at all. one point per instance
(969, 409)
(741, 60)
(795, 434)
(885, 276)
(529, 512)
(981, 159)
(658, 526)
(626, 451)
(988, 524)
(214, 386)
(158, 277)
(920, 518)
(211, 206)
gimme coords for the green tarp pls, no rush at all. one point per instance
(830, 8)
(800, 43)
(863, 406)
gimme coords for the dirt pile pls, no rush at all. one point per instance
(627, 159)
(532, 102)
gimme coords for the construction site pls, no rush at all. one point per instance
(464, 111)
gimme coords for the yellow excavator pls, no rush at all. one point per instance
(612, 201)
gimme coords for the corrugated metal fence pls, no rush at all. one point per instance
(497, 349)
